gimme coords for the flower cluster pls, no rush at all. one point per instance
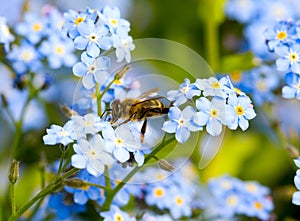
(232, 196)
(221, 104)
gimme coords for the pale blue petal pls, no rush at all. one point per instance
(93, 50)
(170, 126)
(203, 104)
(288, 92)
(182, 134)
(139, 158)
(174, 113)
(243, 123)
(297, 162)
(188, 112)
(78, 161)
(296, 198)
(121, 154)
(297, 182)
(214, 127)
(80, 197)
(81, 43)
(79, 69)
(201, 118)
(282, 64)
(88, 81)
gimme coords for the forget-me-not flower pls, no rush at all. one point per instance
(91, 155)
(123, 44)
(181, 123)
(5, 36)
(92, 38)
(92, 70)
(211, 113)
(116, 214)
(185, 92)
(292, 90)
(289, 58)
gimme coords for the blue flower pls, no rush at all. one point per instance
(57, 134)
(5, 36)
(92, 70)
(91, 155)
(281, 33)
(58, 51)
(112, 18)
(211, 113)
(123, 44)
(157, 195)
(239, 110)
(64, 205)
(72, 20)
(118, 141)
(180, 204)
(185, 92)
(92, 38)
(289, 58)
(25, 57)
(213, 86)
(87, 124)
(86, 192)
(292, 90)
(116, 214)
(33, 28)
(181, 123)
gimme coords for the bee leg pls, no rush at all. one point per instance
(143, 130)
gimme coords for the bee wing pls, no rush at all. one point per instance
(209, 147)
(148, 94)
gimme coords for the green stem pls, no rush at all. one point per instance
(95, 185)
(13, 199)
(110, 194)
(107, 178)
(212, 37)
(57, 182)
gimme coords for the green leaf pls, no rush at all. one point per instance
(237, 62)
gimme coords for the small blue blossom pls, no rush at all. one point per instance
(112, 18)
(181, 123)
(58, 51)
(116, 214)
(292, 90)
(117, 141)
(92, 38)
(57, 134)
(281, 33)
(213, 86)
(64, 206)
(91, 155)
(25, 57)
(92, 70)
(33, 28)
(87, 124)
(123, 44)
(185, 92)
(157, 195)
(239, 110)
(86, 192)
(152, 217)
(180, 203)
(5, 36)
(289, 58)
(72, 20)
(211, 113)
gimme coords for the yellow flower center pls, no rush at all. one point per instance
(293, 57)
(239, 110)
(281, 35)
(27, 55)
(236, 76)
(214, 113)
(37, 27)
(159, 192)
(258, 205)
(119, 141)
(216, 85)
(226, 185)
(85, 187)
(179, 201)
(114, 22)
(181, 122)
(59, 49)
(118, 82)
(118, 217)
(232, 200)
(79, 20)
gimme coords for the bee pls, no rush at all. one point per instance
(147, 105)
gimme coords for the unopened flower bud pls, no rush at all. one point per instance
(165, 165)
(293, 151)
(74, 183)
(67, 111)
(14, 171)
(4, 100)
(121, 73)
